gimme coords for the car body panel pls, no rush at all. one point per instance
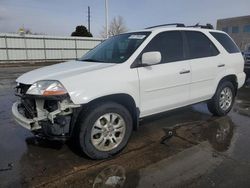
(162, 87)
(61, 71)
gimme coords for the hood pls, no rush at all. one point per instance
(61, 71)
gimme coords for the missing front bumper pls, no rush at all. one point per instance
(30, 124)
(51, 123)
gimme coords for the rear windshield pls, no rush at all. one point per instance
(226, 42)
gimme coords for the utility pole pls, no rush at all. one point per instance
(89, 18)
(106, 11)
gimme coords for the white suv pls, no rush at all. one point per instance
(99, 99)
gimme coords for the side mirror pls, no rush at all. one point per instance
(151, 58)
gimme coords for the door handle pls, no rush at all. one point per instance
(221, 65)
(185, 72)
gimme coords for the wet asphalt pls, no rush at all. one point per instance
(187, 147)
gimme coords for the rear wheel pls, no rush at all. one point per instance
(223, 100)
(104, 130)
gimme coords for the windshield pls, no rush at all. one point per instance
(116, 49)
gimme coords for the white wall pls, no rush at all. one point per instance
(14, 48)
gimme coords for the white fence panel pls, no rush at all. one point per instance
(3, 55)
(36, 54)
(2, 43)
(15, 42)
(69, 54)
(34, 43)
(53, 54)
(68, 44)
(86, 44)
(17, 54)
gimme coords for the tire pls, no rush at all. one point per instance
(98, 129)
(214, 104)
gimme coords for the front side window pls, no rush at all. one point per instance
(199, 45)
(169, 44)
(226, 42)
(116, 49)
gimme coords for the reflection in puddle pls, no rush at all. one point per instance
(242, 107)
(112, 176)
(218, 133)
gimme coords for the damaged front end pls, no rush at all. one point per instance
(50, 116)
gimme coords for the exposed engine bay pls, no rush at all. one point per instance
(45, 116)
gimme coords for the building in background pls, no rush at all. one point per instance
(238, 28)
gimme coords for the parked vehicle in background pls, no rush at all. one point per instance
(99, 99)
(246, 55)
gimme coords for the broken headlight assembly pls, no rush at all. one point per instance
(47, 88)
(46, 109)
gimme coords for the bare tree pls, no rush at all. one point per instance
(117, 26)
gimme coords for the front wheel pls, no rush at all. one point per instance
(104, 130)
(223, 99)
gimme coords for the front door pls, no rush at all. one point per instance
(166, 85)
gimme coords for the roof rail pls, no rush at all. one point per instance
(207, 26)
(176, 24)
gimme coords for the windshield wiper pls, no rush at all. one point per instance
(91, 60)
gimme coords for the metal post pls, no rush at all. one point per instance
(25, 45)
(106, 10)
(89, 18)
(76, 48)
(44, 47)
(7, 50)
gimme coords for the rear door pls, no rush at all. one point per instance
(166, 85)
(204, 65)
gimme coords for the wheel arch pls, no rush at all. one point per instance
(232, 78)
(123, 99)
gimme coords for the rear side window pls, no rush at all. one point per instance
(169, 44)
(199, 45)
(226, 42)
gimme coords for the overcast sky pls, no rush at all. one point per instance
(60, 17)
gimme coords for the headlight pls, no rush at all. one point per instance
(47, 88)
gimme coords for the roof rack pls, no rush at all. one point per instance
(207, 26)
(176, 24)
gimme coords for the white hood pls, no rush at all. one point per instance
(61, 71)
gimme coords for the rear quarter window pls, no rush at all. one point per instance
(226, 42)
(199, 45)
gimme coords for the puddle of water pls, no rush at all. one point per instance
(242, 107)
(217, 132)
(111, 176)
